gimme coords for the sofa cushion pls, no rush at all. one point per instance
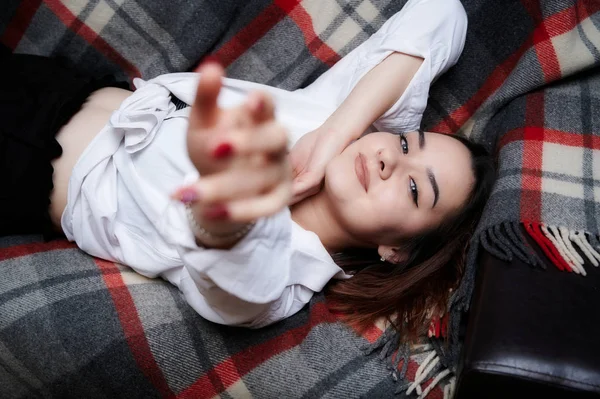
(531, 332)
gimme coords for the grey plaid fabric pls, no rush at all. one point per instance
(75, 326)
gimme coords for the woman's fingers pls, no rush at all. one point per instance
(261, 106)
(248, 210)
(234, 184)
(241, 210)
(269, 139)
(205, 111)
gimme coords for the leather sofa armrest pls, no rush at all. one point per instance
(531, 333)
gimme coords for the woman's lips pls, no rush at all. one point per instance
(360, 167)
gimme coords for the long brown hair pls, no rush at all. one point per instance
(407, 294)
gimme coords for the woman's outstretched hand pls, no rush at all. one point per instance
(240, 154)
(309, 158)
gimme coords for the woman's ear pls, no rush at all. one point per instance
(391, 254)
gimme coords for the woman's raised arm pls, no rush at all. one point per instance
(384, 82)
(374, 94)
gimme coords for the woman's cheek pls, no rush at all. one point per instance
(392, 202)
(391, 211)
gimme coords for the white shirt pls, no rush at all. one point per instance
(118, 199)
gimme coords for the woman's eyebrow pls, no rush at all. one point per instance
(434, 186)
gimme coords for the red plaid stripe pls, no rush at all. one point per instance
(540, 39)
(250, 34)
(33, 248)
(543, 45)
(19, 23)
(263, 23)
(132, 327)
(314, 44)
(80, 28)
(231, 370)
(533, 145)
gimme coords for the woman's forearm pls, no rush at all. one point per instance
(374, 94)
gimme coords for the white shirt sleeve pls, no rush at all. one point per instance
(434, 30)
(263, 279)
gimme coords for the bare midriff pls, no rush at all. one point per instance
(75, 136)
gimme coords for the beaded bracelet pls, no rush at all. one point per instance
(201, 233)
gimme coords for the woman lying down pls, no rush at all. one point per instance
(189, 179)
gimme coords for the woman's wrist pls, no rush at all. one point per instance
(216, 234)
(343, 135)
(373, 95)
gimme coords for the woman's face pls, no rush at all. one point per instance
(385, 188)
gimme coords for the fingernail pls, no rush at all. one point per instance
(187, 195)
(209, 59)
(218, 211)
(223, 150)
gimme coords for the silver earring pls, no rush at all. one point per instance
(382, 259)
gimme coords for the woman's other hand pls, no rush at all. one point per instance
(240, 154)
(309, 158)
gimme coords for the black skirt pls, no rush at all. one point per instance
(38, 95)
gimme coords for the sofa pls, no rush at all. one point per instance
(531, 334)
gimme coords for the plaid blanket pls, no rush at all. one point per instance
(75, 326)
(527, 87)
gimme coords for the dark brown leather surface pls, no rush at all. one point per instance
(532, 333)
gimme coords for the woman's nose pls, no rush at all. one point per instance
(387, 163)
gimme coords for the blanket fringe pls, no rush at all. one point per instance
(506, 241)
(565, 248)
(430, 369)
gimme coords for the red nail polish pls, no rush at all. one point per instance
(260, 106)
(217, 212)
(223, 150)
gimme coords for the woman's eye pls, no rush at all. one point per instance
(404, 144)
(414, 191)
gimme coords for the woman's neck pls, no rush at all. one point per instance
(316, 214)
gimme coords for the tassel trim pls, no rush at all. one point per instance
(430, 373)
(438, 327)
(568, 250)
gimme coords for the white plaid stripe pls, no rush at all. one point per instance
(572, 51)
(562, 159)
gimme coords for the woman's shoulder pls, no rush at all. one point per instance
(447, 9)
